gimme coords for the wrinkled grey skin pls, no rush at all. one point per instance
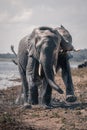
(44, 46)
(66, 39)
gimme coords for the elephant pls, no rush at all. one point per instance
(84, 64)
(38, 53)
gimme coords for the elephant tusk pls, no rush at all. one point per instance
(76, 50)
(39, 70)
(54, 70)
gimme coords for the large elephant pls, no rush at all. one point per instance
(38, 54)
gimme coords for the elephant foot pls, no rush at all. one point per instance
(71, 98)
(34, 102)
(20, 100)
(26, 106)
(45, 106)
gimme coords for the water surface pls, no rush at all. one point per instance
(8, 71)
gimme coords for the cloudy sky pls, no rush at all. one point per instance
(19, 17)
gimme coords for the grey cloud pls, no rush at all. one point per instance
(13, 11)
(19, 17)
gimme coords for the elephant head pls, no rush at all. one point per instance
(66, 39)
(47, 40)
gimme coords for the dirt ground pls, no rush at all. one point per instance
(64, 116)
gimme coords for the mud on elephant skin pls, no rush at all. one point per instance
(43, 47)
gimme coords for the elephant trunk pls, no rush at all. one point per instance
(48, 71)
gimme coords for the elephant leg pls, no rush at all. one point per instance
(32, 86)
(45, 94)
(23, 97)
(66, 76)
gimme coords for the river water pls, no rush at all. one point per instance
(8, 72)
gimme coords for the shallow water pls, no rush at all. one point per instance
(8, 71)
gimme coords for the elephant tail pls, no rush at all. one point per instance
(14, 60)
(12, 49)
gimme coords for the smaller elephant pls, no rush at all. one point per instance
(84, 64)
(45, 47)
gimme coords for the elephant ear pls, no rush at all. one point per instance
(62, 27)
(32, 41)
(36, 43)
(66, 42)
(37, 39)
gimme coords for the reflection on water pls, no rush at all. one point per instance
(8, 71)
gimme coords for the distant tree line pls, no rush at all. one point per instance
(7, 55)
